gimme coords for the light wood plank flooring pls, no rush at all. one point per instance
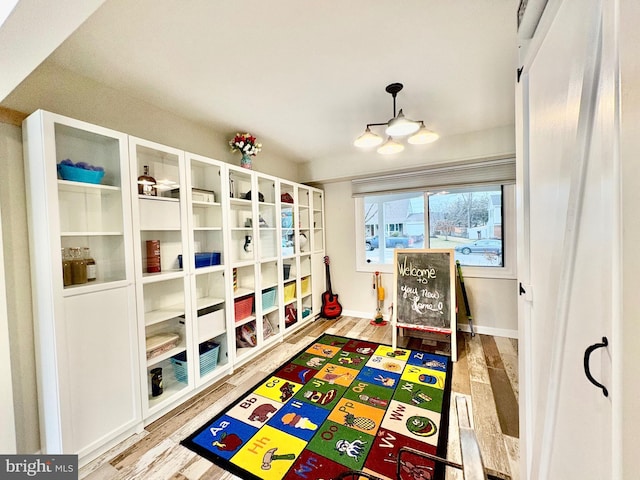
(486, 373)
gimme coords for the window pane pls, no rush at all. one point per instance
(471, 223)
(390, 222)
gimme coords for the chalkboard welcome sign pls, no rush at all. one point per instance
(424, 289)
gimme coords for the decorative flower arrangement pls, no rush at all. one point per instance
(246, 144)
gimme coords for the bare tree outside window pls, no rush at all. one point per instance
(469, 221)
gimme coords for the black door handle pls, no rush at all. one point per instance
(587, 372)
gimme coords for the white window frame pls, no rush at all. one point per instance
(507, 271)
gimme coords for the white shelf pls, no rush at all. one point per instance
(205, 302)
(158, 199)
(242, 292)
(240, 201)
(245, 263)
(83, 187)
(216, 333)
(164, 356)
(206, 204)
(244, 352)
(271, 339)
(207, 229)
(162, 276)
(167, 313)
(216, 372)
(210, 269)
(91, 234)
(270, 309)
(172, 389)
(244, 321)
(89, 287)
(160, 229)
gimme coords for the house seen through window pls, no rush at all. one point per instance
(466, 220)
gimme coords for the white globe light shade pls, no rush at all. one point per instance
(400, 126)
(390, 147)
(422, 136)
(368, 139)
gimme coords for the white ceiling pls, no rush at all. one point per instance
(306, 76)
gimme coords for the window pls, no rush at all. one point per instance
(468, 220)
(399, 217)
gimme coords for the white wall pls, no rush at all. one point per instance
(7, 416)
(493, 302)
(18, 287)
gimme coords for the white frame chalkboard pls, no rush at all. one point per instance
(420, 297)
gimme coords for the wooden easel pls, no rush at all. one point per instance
(424, 295)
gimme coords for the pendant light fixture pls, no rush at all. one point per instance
(398, 126)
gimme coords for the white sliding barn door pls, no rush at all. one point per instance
(570, 260)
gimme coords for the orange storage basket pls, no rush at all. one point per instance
(243, 307)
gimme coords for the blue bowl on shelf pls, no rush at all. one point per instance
(77, 174)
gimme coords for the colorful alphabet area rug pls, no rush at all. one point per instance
(339, 405)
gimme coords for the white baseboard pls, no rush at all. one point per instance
(364, 315)
(495, 332)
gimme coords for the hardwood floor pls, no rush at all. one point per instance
(486, 373)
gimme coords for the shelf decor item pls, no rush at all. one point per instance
(147, 184)
(80, 172)
(247, 145)
(153, 256)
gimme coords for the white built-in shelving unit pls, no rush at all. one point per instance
(240, 268)
(86, 334)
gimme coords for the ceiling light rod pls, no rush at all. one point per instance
(398, 126)
(393, 89)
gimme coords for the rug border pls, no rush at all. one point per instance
(443, 435)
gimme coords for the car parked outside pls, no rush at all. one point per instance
(371, 243)
(481, 246)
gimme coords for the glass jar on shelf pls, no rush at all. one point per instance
(146, 183)
(78, 266)
(91, 264)
(67, 275)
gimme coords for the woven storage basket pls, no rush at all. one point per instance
(208, 357)
(289, 292)
(268, 298)
(305, 285)
(181, 367)
(243, 307)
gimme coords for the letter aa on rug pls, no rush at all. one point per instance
(340, 404)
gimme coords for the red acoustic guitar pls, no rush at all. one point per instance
(331, 308)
